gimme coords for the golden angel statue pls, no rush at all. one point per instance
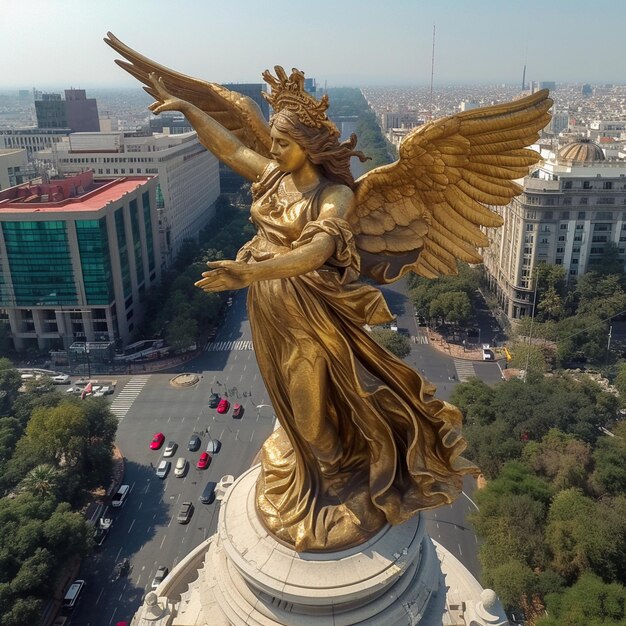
(363, 441)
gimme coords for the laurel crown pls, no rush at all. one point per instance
(288, 93)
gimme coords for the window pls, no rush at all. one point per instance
(581, 215)
(530, 227)
(607, 185)
(548, 215)
(574, 261)
(563, 226)
(584, 200)
(559, 261)
(560, 250)
(587, 185)
(567, 184)
(567, 200)
(564, 215)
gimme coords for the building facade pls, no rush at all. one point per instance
(571, 207)
(76, 258)
(32, 140)
(188, 176)
(76, 111)
(14, 168)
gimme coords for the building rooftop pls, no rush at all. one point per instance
(78, 192)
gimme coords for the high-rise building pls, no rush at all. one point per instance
(571, 207)
(76, 112)
(31, 139)
(188, 176)
(76, 257)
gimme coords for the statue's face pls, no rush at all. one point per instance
(289, 155)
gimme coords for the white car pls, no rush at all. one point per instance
(160, 576)
(170, 448)
(181, 467)
(61, 379)
(163, 469)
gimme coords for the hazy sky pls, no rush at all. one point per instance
(58, 43)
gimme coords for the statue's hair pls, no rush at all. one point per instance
(321, 147)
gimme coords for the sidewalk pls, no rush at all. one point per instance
(453, 349)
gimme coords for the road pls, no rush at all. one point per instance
(145, 529)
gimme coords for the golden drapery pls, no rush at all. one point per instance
(389, 448)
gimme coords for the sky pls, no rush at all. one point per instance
(59, 43)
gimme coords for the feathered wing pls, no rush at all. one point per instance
(236, 112)
(424, 211)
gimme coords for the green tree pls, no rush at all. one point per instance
(42, 481)
(514, 581)
(609, 262)
(182, 333)
(10, 382)
(609, 457)
(589, 602)
(452, 306)
(528, 357)
(22, 611)
(551, 303)
(395, 342)
(59, 433)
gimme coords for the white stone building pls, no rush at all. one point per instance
(188, 175)
(572, 205)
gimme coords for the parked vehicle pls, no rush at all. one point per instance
(223, 406)
(185, 513)
(73, 594)
(194, 443)
(237, 411)
(170, 448)
(214, 400)
(157, 441)
(204, 461)
(160, 576)
(181, 467)
(208, 494)
(120, 496)
(163, 469)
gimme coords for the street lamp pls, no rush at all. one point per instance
(88, 362)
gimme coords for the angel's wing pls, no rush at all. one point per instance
(236, 112)
(423, 212)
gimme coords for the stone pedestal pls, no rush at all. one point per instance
(393, 579)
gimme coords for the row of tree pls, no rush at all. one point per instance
(53, 450)
(552, 516)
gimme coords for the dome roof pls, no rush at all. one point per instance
(582, 150)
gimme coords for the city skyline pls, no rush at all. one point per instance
(352, 43)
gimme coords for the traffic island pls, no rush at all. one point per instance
(185, 380)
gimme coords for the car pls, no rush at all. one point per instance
(214, 400)
(61, 379)
(181, 467)
(170, 448)
(213, 446)
(223, 406)
(237, 411)
(120, 496)
(185, 513)
(194, 443)
(204, 461)
(72, 594)
(393, 327)
(208, 494)
(163, 469)
(160, 576)
(102, 530)
(157, 441)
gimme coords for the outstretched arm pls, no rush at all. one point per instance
(226, 275)
(220, 141)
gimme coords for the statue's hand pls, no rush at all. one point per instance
(226, 275)
(165, 101)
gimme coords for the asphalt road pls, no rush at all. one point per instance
(145, 529)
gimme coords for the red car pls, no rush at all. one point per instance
(237, 411)
(204, 461)
(223, 406)
(157, 441)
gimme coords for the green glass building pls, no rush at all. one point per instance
(75, 258)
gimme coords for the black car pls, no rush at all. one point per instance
(214, 400)
(185, 513)
(194, 443)
(208, 495)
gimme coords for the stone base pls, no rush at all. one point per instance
(392, 579)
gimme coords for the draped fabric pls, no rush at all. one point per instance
(362, 440)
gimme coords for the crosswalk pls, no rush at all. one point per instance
(464, 370)
(423, 339)
(124, 400)
(224, 346)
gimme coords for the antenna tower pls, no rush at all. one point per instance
(432, 75)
